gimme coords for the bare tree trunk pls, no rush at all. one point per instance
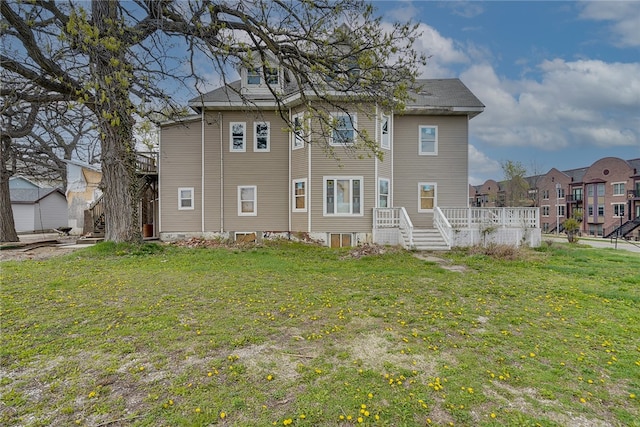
(7, 225)
(116, 131)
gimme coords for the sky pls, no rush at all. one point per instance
(560, 80)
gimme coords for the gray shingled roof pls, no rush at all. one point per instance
(429, 93)
(31, 195)
(444, 93)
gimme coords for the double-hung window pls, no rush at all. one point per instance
(261, 136)
(253, 76)
(427, 197)
(618, 188)
(545, 210)
(428, 140)
(343, 195)
(385, 136)
(271, 76)
(247, 200)
(298, 131)
(185, 198)
(300, 195)
(344, 131)
(560, 210)
(238, 137)
(383, 193)
(618, 210)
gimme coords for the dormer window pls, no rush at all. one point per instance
(271, 76)
(253, 76)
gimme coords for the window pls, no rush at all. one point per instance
(261, 136)
(618, 189)
(298, 131)
(577, 194)
(426, 197)
(590, 190)
(618, 210)
(342, 195)
(185, 198)
(545, 194)
(344, 131)
(238, 136)
(247, 200)
(545, 210)
(561, 210)
(383, 193)
(601, 190)
(600, 210)
(428, 140)
(385, 139)
(560, 193)
(300, 195)
(253, 76)
(271, 76)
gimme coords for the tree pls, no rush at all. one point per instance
(118, 58)
(516, 186)
(18, 118)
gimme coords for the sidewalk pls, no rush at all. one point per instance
(596, 242)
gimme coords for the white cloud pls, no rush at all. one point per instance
(623, 15)
(443, 53)
(575, 104)
(479, 163)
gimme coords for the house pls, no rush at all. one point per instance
(83, 181)
(604, 197)
(235, 170)
(36, 208)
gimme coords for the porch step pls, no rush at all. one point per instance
(429, 240)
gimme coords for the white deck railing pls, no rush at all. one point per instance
(462, 226)
(500, 217)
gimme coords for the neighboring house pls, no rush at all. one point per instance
(83, 190)
(36, 208)
(235, 171)
(603, 197)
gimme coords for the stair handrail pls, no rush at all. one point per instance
(443, 225)
(406, 225)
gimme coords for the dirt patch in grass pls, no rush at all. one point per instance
(443, 263)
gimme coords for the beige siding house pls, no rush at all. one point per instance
(236, 170)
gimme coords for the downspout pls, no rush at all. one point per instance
(376, 160)
(202, 124)
(309, 180)
(221, 175)
(159, 181)
(291, 138)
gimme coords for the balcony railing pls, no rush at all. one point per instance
(633, 194)
(147, 163)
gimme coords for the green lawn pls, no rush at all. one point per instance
(292, 334)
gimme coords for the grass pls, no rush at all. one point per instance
(288, 334)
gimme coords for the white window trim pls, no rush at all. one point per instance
(354, 121)
(435, 196)
(294, 196)
(180, 199)
(255, 137)
(544, 208)
(613, 209)
(435, 145)
(255, 200)
(561, 208)
(340, 214)
(385, 142)
(244, 137)
(295, 137)
(388, 189)
(613, 186)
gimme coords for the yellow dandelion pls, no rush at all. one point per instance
(493, 415)
(360, 420)
(198, 410)
(632, 396)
